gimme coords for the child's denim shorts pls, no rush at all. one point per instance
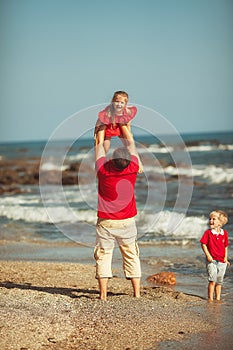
(216, 271)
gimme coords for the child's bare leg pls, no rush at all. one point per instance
(99, 135)
(126, 135)
(218, 289)
(211, 288)
(106, 144)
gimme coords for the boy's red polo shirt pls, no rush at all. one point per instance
(216, 243)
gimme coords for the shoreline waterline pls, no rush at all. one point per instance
(186, 262)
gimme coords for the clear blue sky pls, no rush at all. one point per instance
(60, 56)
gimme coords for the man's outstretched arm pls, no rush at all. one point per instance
(99, 151)
(129, 141)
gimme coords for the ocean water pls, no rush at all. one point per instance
(180, 186)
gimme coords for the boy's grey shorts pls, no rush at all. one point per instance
(216, 271)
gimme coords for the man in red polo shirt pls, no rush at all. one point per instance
(116, 215)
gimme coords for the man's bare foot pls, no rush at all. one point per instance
(220, 301)
(103, 298)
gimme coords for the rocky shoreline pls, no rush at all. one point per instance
(56, 306)
(17, 173)
(25, 170)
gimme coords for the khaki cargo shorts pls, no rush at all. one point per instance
(124, 232)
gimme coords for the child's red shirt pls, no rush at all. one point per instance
(114, 129)
(216, 243)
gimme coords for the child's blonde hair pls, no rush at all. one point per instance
(122, 94)
(222, 216)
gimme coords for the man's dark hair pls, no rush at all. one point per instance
(121, 158)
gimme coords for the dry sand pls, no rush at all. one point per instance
(55, 306)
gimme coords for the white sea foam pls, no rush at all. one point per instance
(23, 207)
(63, 214)
(79, 156)
(50, 166)
(30, 208)
(56, 214)
(174, 224)
(157, 149)
(198, 148)
(20, 200)
(164, 223)
(210, 148)
(28, 214)
(169, 170)
(212, 173)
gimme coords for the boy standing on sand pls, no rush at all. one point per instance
(214, 244)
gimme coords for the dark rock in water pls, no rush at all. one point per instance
(203, 142)
(20, 172)
(11, 189)
(74, 166)
(17, 172)
(69, 178)
(51, 177)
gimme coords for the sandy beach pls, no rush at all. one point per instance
(48, 305)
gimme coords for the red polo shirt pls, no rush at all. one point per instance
(216, 243)
(116, 199)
